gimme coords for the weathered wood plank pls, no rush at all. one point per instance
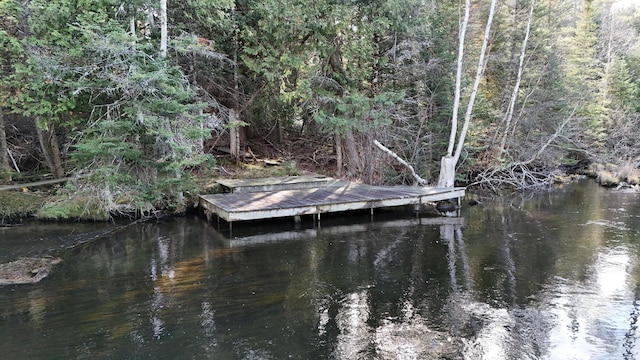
(276, 183)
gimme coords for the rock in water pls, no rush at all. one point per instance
(27, 270)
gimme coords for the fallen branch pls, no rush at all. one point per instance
(553, 136)
(419, 180)
(13, 160)
(517, 176)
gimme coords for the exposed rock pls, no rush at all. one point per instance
(27, 270)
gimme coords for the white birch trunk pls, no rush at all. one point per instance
(448, 163)
(234, 136)
(516, 87)
(456, 97)
(132, 27)
(164, 36)
(447, 172)
(476, 83)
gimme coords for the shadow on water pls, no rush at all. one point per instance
(554, 276)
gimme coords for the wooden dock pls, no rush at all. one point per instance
(274, 199)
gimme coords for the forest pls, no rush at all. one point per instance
(135, 99)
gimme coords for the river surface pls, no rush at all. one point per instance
(550, 276)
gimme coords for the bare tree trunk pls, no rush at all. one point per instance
(339, 156)
(164, 36)
(4, 148)
(55, 152)
(236, 110)
(449, 161)
(50, 149)
(132, 28)
(354, 160)
(608, 57)
(234, 134)
(506, 92)
(516, 87)
(456, 98)
(476, 83)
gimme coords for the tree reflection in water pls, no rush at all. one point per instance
(552, 277)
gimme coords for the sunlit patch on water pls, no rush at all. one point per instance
(592, 318)
(618, 225)
(355, 335)
(411, 341)
(501, 333)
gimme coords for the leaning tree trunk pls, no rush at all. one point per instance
(516, 88)
(417, 178)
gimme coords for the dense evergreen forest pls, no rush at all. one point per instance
(135, 97)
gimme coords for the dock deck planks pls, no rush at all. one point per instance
(276, 183)
(338, 196)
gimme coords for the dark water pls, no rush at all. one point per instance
(556, 276)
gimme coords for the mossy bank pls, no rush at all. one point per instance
(18, 205)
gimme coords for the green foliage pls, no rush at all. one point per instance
(584, 73)
(381, 69)
(204, 17)
(356, 111)
(625, 91)
(144, 124)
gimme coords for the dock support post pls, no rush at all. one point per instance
(371, 214)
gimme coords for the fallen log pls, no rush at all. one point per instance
(34, 184)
